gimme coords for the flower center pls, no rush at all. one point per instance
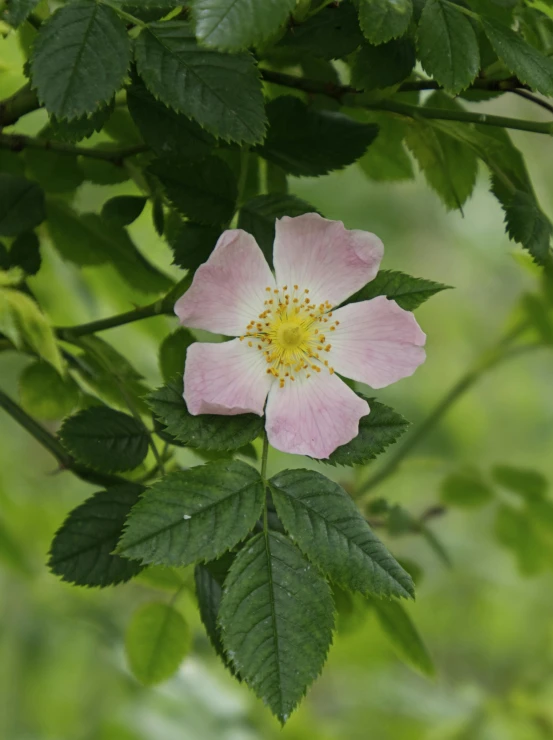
(291, 334)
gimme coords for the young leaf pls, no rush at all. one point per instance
(382, 20)
(44, 393)
(407, 291)
(447, 44)
(277, 618)
(328, 527)
(237, 24)
(105, 439)
(222, 92)
(205, 192)
(172, 353)
(206, 431)
(80, 58)
(82, 549)
(377, 430)
(308, 142)
(123, 209)
(21, 205)
(192, 244)
(530, 484)
(157, 641)
(384, 65)
(194, 515)
(516, 530)
(465, 489)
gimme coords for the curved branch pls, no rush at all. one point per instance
(18, 142)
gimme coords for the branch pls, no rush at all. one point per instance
(18, 142)
(534, 99)
(19, 104)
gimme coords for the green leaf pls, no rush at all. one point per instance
(205, 191)
(237, 24)
(163, 578)
(382, 20)
(308, 142)
(172, 353)
(105, 439)
(465, 489)
(530, 484)
(526, 62)
(18, 10)
(222, 92)
(403, 635)
(384, 65)
(516, 530)
(192, 244)
(386, 158)
(157, 641)
(539, 315)
(55, 173)
(80, 128)
(82, 549)
(277, 618)
(21, 205)
(80, 58)
(194, 515)
(377, 430)
(164, 130)
(123, 209)
(259, 214)
(44, 393)
(529, 226)
(206, 431)
(209, 579)
(25, 253)
(328, 528)
(407, 291)
(447, 44)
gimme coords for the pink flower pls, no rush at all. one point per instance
(290, 343)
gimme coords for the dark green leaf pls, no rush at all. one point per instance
(25, 253)
(21, 205)
(384, 65)
(105, 439)
(209, 591)
(193, 515)
(327, 526)
(529, 226)
(172, 353)
(530, 484)
(55, 173)
(407, 291)
(386, 158)
(80, 58)
(82, 549)
(465, 489)
(277, 618)
(123, 209)
(18, 10)
(44, 393)
(308, 142)
(80, 128)
(192, 244)
(222, 92)
(382, 20)
(206, 431)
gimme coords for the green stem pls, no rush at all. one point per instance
(68, 333)
(264, 456)
(19, 104)
(123, 14)
(18, 142)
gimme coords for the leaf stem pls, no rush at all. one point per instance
(159, 308)
(264, 456)
(18, 142)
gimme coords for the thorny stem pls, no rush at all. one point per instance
(18, 142)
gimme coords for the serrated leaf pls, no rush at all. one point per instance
(529, 64)
(157, 641)
(382, 20)
(447, 44)
(327, 526)
(259, 214)
(529, 226)
(407, 291)
(205, 192)
(105, 439)
(123, 209)
(277, 618)
(172, 353)
(308, 142)
(379, 429)
(465, 489)
(209, 579)
(386, 158)
(25, 253)
(80, 128)
(403, 635)
(528, 483)
(194, 515)
(384, 65)
(206, 431)
(222, 92)
(44, 393)
(80, 58)
(192, 244)
(82, 549)
(18, 10)
(236, 24)
(21, 204)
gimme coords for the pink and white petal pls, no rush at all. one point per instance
(376, 342)
(229, 378)
(313, 416)
(325, 257)
(229, 289)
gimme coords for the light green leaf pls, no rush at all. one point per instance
(44, 393)
(386, 158)
(194, 515)
(21, 204)
(528, 483)
(539, 314)
(157, 641)
(516, 530)
(382, 20)
(277, 618)
(407, 291)
(327, 526)
(172, 353)
(222, 92)
(465, 489)
(80, 58)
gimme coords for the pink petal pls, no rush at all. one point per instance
(229, 378)
(376, 342)
(229, 289)
(313, 416)
(324, 257)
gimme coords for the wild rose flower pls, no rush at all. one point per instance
(291, 343)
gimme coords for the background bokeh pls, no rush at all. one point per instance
(488, 627)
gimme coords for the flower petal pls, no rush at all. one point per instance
(229, 378)
(376, 342)
(229, 289)
(313, 416)
(325, 257)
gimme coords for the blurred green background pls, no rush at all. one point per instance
(489, 629)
